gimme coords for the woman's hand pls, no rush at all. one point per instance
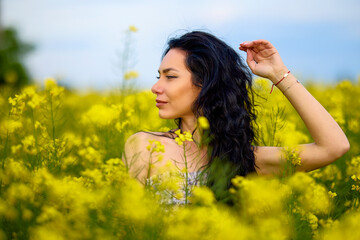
(264, 60)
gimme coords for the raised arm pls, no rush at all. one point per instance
(330, 142)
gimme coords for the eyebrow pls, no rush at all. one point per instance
(168, 69)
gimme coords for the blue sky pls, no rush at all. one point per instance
(79, 42)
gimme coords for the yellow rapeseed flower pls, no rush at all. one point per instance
(50, 83)
(131, 75)
(52, 87)
(182, 137)
(10, 126)
(132, 28)
(332, 194)
(202, 196)
(36, 101)
(155, 146)
(203, 123)
(29, 145)
(100, 115)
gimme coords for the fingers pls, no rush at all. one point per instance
(250, 60)
(257, 45)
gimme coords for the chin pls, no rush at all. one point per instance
(163, 115)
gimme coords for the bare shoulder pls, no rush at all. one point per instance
(136, 156)
(137, 139)
(140, 140)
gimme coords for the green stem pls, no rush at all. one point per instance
(5, 150)
(53, 129)
(6, 145)
(186, 178)
(36, 140)
(149, 171)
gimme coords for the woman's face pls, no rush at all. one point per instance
(174, 89)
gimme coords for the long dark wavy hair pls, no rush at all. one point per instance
(226, 100)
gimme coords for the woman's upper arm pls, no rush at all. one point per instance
(270, 160)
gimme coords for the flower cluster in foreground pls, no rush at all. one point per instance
(62, 173)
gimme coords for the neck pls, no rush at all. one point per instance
(189, 125)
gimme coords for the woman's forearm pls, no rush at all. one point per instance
(326, 133)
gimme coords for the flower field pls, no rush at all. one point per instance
(62, 172)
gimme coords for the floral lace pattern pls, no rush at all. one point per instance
(194, 179)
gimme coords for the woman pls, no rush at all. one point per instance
(200, 75)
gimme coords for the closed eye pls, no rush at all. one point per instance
(168, 77)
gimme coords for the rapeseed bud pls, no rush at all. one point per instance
(332, 194)
(52, 88)
(17, 104)
(155, 146)
(29, 91)
(292, 156)
(29, 145)
(131, 75)
(36, 101)
(132, 28)
(203, 123)
(313, 221)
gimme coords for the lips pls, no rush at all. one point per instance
(160, 103)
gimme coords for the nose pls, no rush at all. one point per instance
(157, 88)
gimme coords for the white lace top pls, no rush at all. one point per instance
(194, 179)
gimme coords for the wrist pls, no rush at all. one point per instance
(278, 74)
(278, 82)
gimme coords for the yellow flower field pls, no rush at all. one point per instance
(63, 176)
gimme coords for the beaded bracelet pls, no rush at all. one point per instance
(275, 84)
